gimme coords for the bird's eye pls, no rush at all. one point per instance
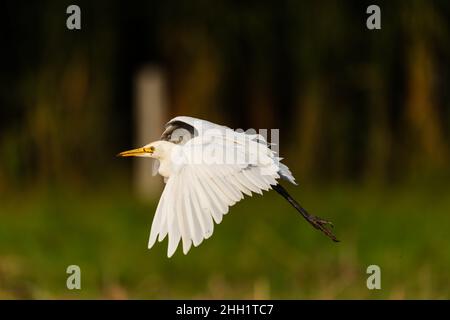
(149, 149)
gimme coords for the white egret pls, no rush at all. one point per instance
(207, 168)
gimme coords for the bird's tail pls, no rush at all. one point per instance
(316, 222)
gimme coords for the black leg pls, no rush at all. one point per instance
(316, 222)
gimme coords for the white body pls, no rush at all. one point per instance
(204, 176)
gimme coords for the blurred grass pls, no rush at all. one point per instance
(262, 249)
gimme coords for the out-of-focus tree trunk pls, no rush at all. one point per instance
(425, 131)
(424, 135)
(150, 115)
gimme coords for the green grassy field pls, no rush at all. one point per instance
(262, 249)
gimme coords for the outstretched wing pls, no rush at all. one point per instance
(181, 129)
(213, 172)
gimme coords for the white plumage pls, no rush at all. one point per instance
(207, 169)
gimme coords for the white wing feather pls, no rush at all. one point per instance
(204, 185)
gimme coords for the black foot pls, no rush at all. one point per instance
(322, 224)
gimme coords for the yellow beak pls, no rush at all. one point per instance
(135, 152)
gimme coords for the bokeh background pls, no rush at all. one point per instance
(364, 119)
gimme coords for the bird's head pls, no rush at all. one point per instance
(157, 150)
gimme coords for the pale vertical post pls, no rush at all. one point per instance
(150, 115)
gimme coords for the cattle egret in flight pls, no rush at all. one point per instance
(207, 168)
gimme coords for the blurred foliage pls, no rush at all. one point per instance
(376, 103)
(364, 117)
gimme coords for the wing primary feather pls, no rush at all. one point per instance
(196, 206)
(174, 239)
(250, 178)
(213, 191)
(205, 208)
(231, 179)
(185, 238)
(219, 187)
(247, 183)
(190, 218)
(156, 224)
(208, 201)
